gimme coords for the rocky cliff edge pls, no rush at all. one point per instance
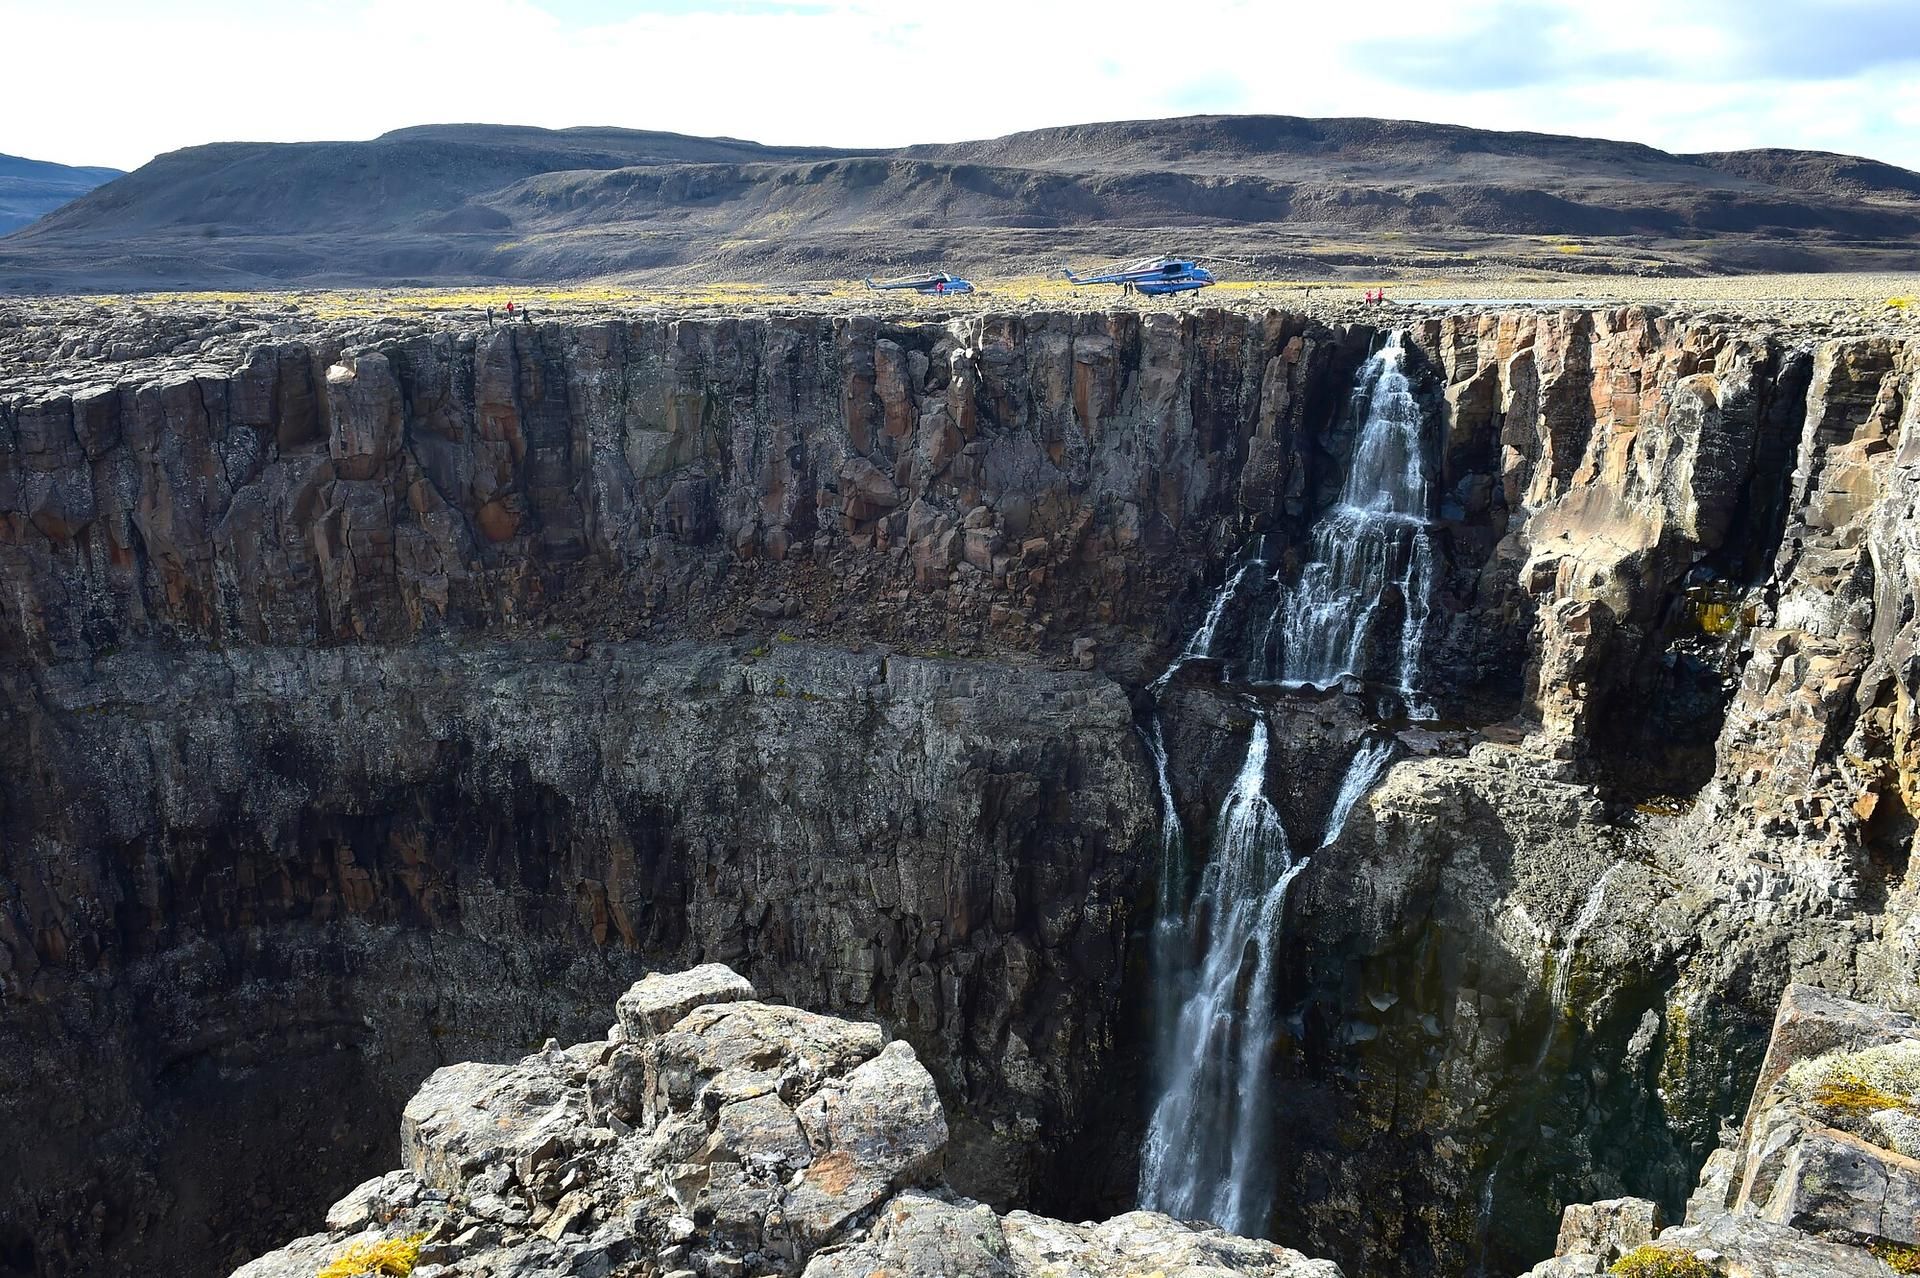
(1821, 1180)
(713, 1135)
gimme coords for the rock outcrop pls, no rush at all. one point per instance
(1792, 1196)
(1540, 965)
(717, 1136)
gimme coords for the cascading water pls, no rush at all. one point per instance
(1168, 927)
(1215, 960)
(1372, 550)
(1368, 765)
(1200, 643)
(1195, 1164)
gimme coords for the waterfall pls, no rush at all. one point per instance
(1168, 926)
(1200, 643)
(1198, 1163)
(1215, 957)
(1372, 550)
(1369, 762)
(1563, 966)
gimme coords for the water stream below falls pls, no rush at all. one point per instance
(1359, 609)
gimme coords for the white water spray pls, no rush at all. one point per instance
(1374, 547)
(1200, 644)
(1198, 1162)
(1563, 964)
(1215, 961)
(1369, 764)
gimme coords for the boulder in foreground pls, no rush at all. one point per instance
(714, 1136)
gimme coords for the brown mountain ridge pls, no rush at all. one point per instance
(453, 203)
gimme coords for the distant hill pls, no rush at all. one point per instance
(447, 203)
(1820, 173)
(31, 188)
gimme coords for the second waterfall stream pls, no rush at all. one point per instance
(1358, 609)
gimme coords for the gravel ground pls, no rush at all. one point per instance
(53, 342)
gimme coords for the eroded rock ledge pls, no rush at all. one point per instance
(1819, 1182)
(710, 1134)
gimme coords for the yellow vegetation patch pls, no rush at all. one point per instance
(1856, 1096)
(1654, 1261)
(1569, 248)
(354, 303)
(1888, 1074)
(1899, 303)
(388, 1258)
(1898, 1257)
(1716, 618)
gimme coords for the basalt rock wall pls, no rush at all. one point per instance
(380, 703)
(1001, 477)
(1544, 959)
(391, 698)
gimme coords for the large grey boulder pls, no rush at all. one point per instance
(658, 1002)
(1608, 1228)
(926, 1235)
(1835, 1095)
(1829, 1182)
(1578, 1265)
(1146, 1242)
(720, 1137)
(1755, 1248)
(922, 1235)
(1812, 1022)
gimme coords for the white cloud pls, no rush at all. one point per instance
(115, 82)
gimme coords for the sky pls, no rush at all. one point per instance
(115, 82)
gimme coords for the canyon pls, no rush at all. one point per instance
(389, 694)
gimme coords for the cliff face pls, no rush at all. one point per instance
(896, 481)
(396, 697)
(1540, 965)
(383, 706)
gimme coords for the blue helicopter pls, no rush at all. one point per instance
(937, 284)
(1154, 276)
